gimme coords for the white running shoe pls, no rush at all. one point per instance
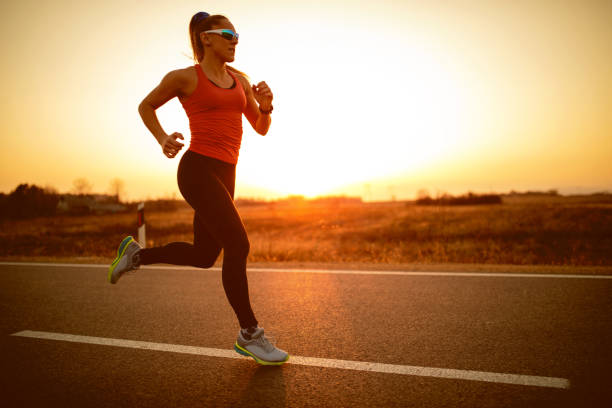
(260, 348)
(127, 259)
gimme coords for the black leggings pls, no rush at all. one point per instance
(207, 184)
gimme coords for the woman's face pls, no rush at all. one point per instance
(222, 47)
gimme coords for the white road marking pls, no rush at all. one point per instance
(332, 271)
(516, 379)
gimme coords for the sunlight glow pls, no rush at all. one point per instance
(380, 120)
(488, 94)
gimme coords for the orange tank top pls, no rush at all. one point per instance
(215, 118)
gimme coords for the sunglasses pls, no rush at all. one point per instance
(224, 32)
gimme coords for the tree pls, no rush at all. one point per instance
(82, 186)
(30, 201)
(422, 194)
(49, 189)
(117, 188)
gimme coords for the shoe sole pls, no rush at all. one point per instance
(122, 247)
(247, 353)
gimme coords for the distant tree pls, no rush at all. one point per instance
(466, 199)
(82, 186)
(3, 205)
(422, 193)
(30, 201)
(117, 188)
(49, 189)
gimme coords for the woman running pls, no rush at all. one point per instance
(214, 96)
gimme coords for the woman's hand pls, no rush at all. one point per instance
(170, 146)
(263, 95)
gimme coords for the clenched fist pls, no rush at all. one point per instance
(263, 95)
(170, 146)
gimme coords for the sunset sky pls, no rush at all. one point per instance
(371, 98)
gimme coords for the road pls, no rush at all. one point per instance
(163, 336)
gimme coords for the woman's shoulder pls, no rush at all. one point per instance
(183, 80)
(184, 74)
(244, 80)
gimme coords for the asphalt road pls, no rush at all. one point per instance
(550, 327)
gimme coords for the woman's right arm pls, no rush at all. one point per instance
(171, 85)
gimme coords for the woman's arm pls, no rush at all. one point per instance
(257, 97)
(171, 85)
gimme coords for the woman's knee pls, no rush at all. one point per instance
(206, 263)
(239, 248)
(206, 259)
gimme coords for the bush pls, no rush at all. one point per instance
(28, 201)
(467, 199)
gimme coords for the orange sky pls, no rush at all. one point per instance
(377, 99)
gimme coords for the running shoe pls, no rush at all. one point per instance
(127, 259)
(260, 348)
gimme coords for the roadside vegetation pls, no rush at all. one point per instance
(521, 229)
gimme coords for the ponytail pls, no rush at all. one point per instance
(202, 21)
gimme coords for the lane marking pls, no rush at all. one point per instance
(449, 373)
(333, 271)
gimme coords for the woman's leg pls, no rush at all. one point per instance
(215, 207)
(202, 253)
(208, 186)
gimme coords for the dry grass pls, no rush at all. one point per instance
(522, 231)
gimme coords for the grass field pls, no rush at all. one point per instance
(573, 231)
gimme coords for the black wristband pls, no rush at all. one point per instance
(268, 111)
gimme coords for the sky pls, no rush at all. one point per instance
(372, 99)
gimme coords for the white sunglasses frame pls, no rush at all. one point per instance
(223, 30)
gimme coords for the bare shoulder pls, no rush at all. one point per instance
(183, 80)
(182, 76)
(243, 81)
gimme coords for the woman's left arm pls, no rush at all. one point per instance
(259, 98)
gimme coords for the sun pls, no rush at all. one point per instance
(357, 124)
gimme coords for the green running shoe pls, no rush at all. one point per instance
(260, 348)
(127, 259)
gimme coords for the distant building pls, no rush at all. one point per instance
(89, 203)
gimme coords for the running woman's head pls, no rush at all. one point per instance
(222, 44)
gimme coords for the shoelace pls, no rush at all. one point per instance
(267, 342)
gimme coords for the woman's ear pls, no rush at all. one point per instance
(204, 38)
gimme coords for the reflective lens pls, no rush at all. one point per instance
(229, 35)
(225, 33)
